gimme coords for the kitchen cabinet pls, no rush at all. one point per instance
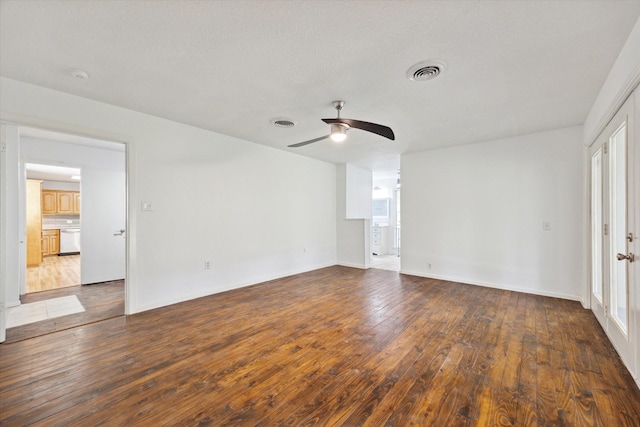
(76, 202)
(60, 202)
(379, 239)
(50, 242)
(65, 202)
(34, 222)
(49, 202)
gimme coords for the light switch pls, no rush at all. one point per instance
(147, 206)
(546, 225)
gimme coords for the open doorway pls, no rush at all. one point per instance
(385, 221)
(53, 227)
(72, 204)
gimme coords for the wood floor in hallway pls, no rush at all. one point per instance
(336, 346)
(101, 301)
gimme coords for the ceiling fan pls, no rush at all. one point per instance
(340, 126)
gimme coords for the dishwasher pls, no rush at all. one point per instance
(69, 241)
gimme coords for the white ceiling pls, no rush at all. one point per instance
(51, 173)
(232, 66)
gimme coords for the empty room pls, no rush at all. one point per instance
(319, 212)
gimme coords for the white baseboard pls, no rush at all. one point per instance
(206, 292)
(348, 264)
(494, 286)
(584, 303)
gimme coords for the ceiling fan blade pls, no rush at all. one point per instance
(369, 127)
(311, 141)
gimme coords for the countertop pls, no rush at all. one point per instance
(60, 227)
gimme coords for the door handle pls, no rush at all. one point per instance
(622, 257)
(119, 233)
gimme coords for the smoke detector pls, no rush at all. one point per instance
(79, 74)
(426, 70)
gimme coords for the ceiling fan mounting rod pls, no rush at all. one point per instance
(338, 105)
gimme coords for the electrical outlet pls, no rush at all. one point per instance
(546, 225)
(429, 266)
(207, 265)
(304, 250)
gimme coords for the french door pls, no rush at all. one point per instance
(614, 232)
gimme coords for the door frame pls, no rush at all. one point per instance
(597, 307)
(628, 347)
(130, 194)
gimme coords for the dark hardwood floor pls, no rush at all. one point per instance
(336, 346)
(101, 301)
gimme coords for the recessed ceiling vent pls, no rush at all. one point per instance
(427, 70)
(283, 123)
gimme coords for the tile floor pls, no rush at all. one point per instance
(385, 262)
(43, 310)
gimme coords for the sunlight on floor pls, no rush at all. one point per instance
(43, 310)
(386, 262)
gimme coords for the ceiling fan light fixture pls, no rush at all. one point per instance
(338, 132)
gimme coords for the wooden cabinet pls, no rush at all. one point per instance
(49, 202)
(60, 202)
(50, 242)
(65, 202)
(76, 202)
(34, 223)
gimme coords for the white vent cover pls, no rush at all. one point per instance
(283, 123)
(426, 70)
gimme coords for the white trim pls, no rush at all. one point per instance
(208, 292)
(69, 128)
(352, 265)
(3, 237)
(616, 103)
(494, 286)
(613, 343)
(585, 298)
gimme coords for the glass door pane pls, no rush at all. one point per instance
(618, 217)
(596, 225)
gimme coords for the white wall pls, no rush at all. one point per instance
(475, 213)
(622, 79)
(10, 241)
(352, 235)
(358, 192)
(249, 209)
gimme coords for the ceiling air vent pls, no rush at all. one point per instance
(426, 70)
(283, 123)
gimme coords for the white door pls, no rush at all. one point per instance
(613, 231)
(102, 220)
